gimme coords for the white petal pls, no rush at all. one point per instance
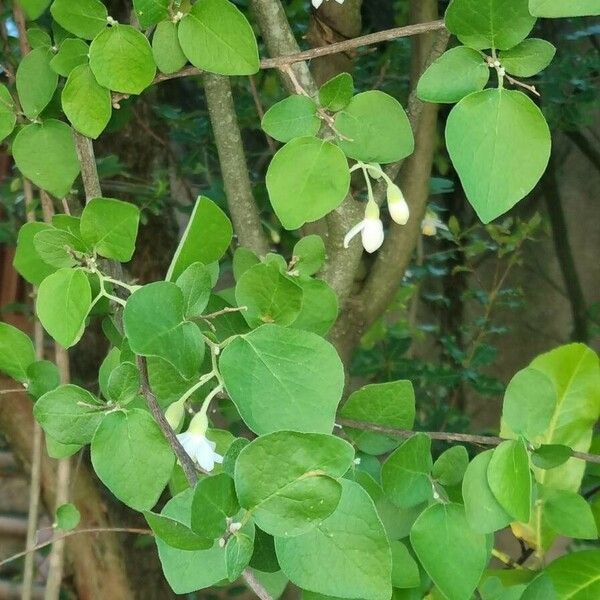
(218, 458)
(340, 1)
(317, 3)
(354, 232)
(205, 455)
(372, 235)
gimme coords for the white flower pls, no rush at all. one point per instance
(397, 205)
(370, 228)
(317, 3)
(431, 223)
(200, 449)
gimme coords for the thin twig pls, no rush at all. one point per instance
(482, 440)
(278, 62)
(76, 532)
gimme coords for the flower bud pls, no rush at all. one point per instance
(374, 171)
(174, 414)
(428, 228)
(199, 424)
(397, 205)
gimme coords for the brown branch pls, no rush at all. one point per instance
(481, 440)
(187, 464)
(357, 42)
(234, 169)
(89, 172)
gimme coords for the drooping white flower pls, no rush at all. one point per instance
(370, 228)
(431, 223)
(397, 205)
(199, 448)
(317, 3)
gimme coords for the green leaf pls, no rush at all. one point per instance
(57, 450)
(318, 173)
(121, 60)
(269, 296)
(433, 538)
(27, 261)
(567, 513)
(34, 8)
(376, 128)
(575, 576)
(167, 52)
(38, 38)
(67, 516)
(484, 513)
(528, 58)
(123, 384)
(347, 555)
(550, 456)
(281, 378)
(86, 104)
(42, 377)
(319, 309)
(405, 571)
(309, 255)
(63, 302)
(206, 238)
(16, 352)
(132, 458)
(36, 81)
(196, 285)
(454, 75)
(499, 143)
(110, 227)
(529, 403)
(540, 588)
(8, 115)
(67, 223)
(72, 53)
(287, 479)
(214, 501)
(264, 557)
(337, 93)
(150, 12)
(85, 18)
(238, 553)
(388, 404)
(293, 117)
(57, 167)
(559, 8)
(216, 37)
(188, 571)
(499, 24)
(57, 247)
(509, 478)
(174, 533)
(243, 259)
(449, 469)
(155, 326)
(69, 414)
(575, 371)
(405, 474)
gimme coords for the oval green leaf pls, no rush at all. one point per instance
(499, 143)
(317, 173)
